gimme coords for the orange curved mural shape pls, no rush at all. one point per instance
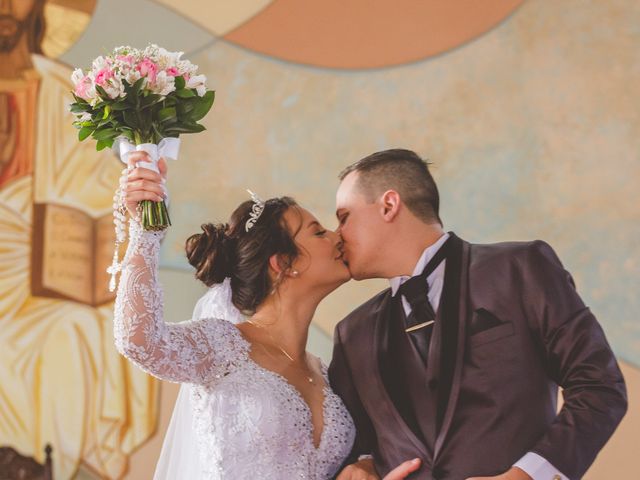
(362, 34)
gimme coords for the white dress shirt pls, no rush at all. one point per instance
(531, 463)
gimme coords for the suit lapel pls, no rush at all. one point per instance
(452, 354)
(381, 325)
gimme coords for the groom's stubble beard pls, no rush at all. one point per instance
(11, 29)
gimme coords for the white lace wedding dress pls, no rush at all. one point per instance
(249, 422)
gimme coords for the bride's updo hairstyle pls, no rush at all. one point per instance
(228, 250)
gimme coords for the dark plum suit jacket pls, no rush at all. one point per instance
(510, 329)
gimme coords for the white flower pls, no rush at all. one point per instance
(131, 76)
(77, 76)
(126, 50)
(165, 84)
(197, 82)
(99, 64)
(151, 51)
(92, 95)
(114, 88)
(85, 117)
(186, 67)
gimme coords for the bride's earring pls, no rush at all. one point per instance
(295, 273)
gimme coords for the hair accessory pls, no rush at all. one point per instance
(256, 211)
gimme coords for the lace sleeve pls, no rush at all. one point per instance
(192, 351)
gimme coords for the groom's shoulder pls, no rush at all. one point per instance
(362, 314)
(523, 252)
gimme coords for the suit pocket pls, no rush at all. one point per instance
(491, 335)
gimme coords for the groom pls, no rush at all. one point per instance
(458, 363)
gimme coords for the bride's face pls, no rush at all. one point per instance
(319, 263)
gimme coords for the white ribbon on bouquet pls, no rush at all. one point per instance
(167, 148)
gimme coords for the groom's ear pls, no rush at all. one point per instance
(389, 205)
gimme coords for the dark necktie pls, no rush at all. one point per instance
(419, 323)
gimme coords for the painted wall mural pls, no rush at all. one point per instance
(62, 381)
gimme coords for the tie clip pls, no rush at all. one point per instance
(419, 326)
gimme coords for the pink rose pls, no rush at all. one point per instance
(81, 88)
(103, 76)
(172, 71)
(125, 58)
(148, 69)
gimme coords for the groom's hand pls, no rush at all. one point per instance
(403, 470)
(361, 470)
(364, 470)
(514, 473)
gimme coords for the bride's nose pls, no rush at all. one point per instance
(336, 238)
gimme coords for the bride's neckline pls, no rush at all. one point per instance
(296, 392)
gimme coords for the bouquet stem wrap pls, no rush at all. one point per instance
(154, 215)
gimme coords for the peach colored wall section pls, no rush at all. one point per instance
(364, 33)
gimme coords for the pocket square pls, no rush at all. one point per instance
(483, 320)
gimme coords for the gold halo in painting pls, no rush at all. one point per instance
(65, 20)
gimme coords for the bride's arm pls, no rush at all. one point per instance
(182, 352)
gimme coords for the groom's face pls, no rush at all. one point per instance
(361, 228)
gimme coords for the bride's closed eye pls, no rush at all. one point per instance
(321, 233)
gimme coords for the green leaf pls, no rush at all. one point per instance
(121, 105)
(185, 93)
(138, 85)
(84, 133)
(105, 134)
(79, 108)
(103, 94)
(185, 107)
(79, 100)
(184, 128)
(131, 119)
(102, 144)
(167, 114)
(180, 82)
(107, 111)
(150, 100)
(129, 135)
(203, 106)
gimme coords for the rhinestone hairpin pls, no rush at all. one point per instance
(256, 210)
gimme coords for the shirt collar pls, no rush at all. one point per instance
(427, 255)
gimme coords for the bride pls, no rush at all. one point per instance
(258, 404)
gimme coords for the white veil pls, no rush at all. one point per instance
(179, 456)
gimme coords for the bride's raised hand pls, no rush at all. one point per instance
(141, 183)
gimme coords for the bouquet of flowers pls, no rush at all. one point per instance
(145, 99)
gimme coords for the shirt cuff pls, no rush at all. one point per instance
(538, 468)
(365, 457)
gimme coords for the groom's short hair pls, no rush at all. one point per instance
(403, 171)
